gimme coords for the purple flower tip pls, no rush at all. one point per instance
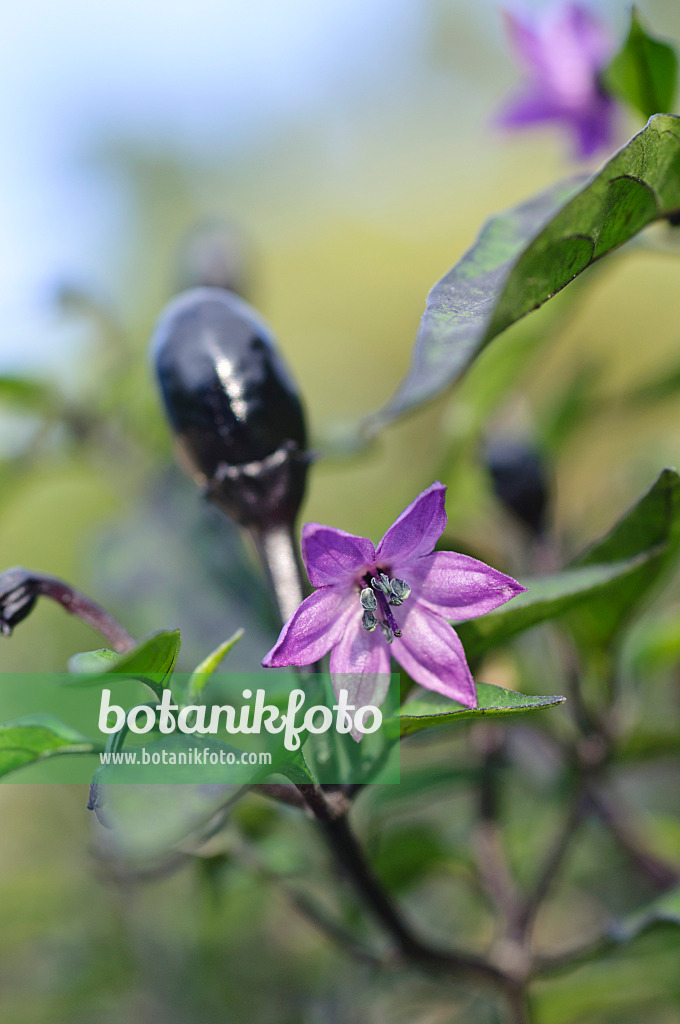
(396, 598)
(562, 50)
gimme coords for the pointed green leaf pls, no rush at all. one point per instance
(650, 530)
(33, 738)
(644, 72)
(526, 255)
(546, 597)
(152, 661)
(433, 709)
(603, 587)
(202, 672)
(93, 661)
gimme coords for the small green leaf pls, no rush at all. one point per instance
(433, 709)
(202, 672)
(152, 661)
(644, 72)
(600, 590)
(33, 738)
(93, 661)
(525, 255)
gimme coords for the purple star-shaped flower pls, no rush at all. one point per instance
(393, 599)
(563, 51)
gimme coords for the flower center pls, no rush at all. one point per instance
(379, 593)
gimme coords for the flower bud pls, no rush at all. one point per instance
(233, 406)
(519, 480)
(18, 594)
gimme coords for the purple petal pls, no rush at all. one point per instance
(525, 41)
(456, 586)
(417, 529)
(360, 664)
(433, 655)
(594, 129)
(587, 33)
(535, 106)
(332, 556)
(312, 630)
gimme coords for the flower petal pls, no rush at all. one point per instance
(457, 586)
(525, 41)
(360, 664)
(417, 529)
(333, 556)
(534, 106)
(594, 129)
(433, 656)
(311, 631)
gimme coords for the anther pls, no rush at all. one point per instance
(369, 621)
(400, 590)
(368, 600)
(382, 584)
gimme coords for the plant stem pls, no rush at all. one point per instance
(661, 875)
(518, 1005)
(278, 552)
(552, 865)
(350, 857)
(77, 603)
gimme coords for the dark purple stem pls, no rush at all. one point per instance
(20, 588)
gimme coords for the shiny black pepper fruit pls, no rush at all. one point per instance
(233, 406)
(520, 480)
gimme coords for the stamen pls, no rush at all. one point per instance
(369, 621)
(400, 590)
(368, 600)
(382, 584)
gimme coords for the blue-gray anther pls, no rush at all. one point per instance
(369, 621)
(400, 590)
(387, 632)
(381, 584)
(368, 600)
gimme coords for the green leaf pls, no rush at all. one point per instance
(432, 709)
(152, 661)
(650, 530)
(93, 661)
(524, 256)
(603, 587)
(202, 672)
(546, 597)
(644, 72)
(33, 738)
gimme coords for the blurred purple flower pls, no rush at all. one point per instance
(394, 599)
(563, 50)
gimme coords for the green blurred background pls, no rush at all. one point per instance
(355, 188)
